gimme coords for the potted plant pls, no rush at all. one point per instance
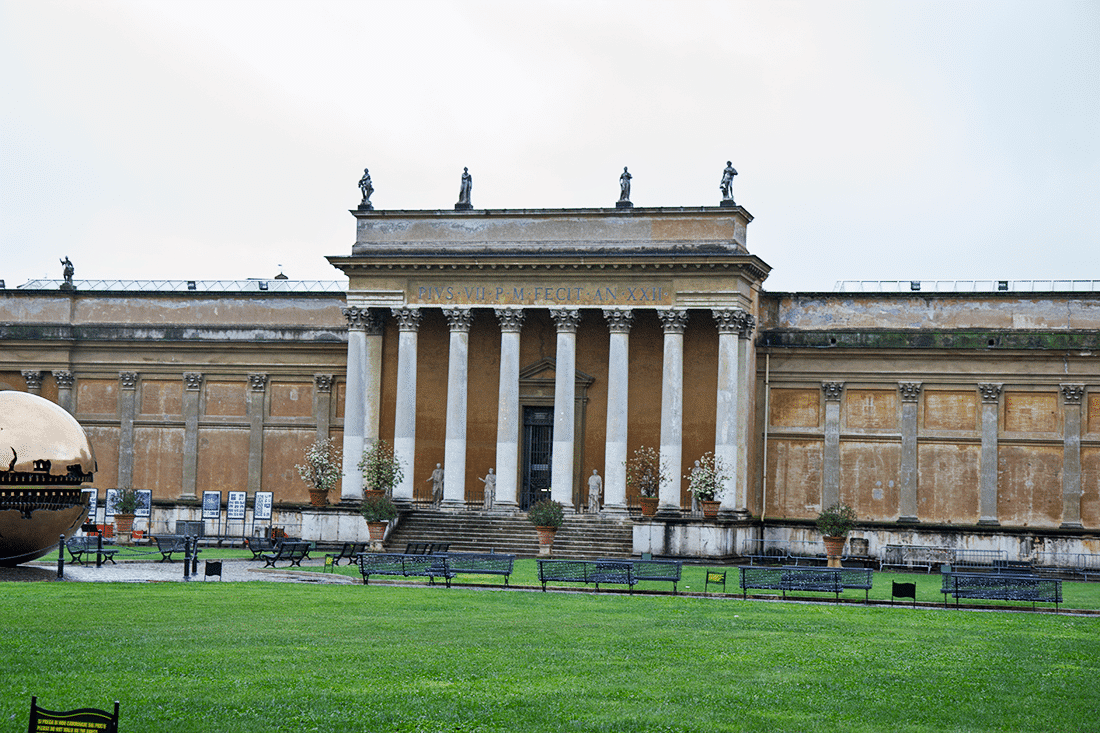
(644, 472)
(124, 508)
(378, 511)
(835, 523)
(547, 515)
(381, 469)
(706, 481)
(321, 470)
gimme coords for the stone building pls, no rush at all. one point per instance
(546, 344)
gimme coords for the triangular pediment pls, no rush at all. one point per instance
(545, 369)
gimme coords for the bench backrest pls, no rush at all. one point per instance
(487, 562)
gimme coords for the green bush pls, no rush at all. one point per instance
(546, 513)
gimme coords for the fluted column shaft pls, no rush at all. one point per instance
(672, 407)
(745, 381)
(561, 470)
(618, 415)
(508, 419)
(726, 410)
(454, 448)
(404, 431)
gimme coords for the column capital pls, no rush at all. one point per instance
(991, 391)
(910, 391)
(33, 378)
(619, 320)
(128, 380)
(408, 319)
(364, 319)
(192, 381)
(459, 319)
(257, 382)
(323, 382)
(832, 390)
(1072, 394)
(748, 324)
(510, 319)
(673, 320)
(64, 378)
(566, 319)
(729, 320)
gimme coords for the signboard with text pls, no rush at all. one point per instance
(211, 504)
(262, 510)
(236, 506)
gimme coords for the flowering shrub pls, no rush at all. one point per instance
(644, 471)
(546, 513)
(707, 480)
(381, 468)
(322, 468)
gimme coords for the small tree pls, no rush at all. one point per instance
(707, 480)
(381, 468)
(322, 468)
(546, 513)
(126, 502)
(836, 521)
(644, 471)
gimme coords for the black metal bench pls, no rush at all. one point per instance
(293, 552)
(588, 571)
(1001, 587)
(427, 566)
(669, 570)
(89, 545)
(480, 563)
(426, 548)
(348, 552)
(259, 546)
(806, 579)
(171, 543)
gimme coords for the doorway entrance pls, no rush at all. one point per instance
(538, 446)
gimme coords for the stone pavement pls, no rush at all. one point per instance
(142, 572)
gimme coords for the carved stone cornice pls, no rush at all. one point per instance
(257, 382)
(748, 324)
(619, 320)
(729, 320)
(511, 319)
(192, 381)
(64, 378)
(1072, 394)
(408, 319)
(832, 390)
(910, 391)
(323, 382)
(128, 380)
(33, 378)
(990, 391)
(566, 319)
(459, 319)
(673, 320)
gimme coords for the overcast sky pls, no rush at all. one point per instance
(873, 140)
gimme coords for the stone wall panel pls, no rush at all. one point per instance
(222, 460)
(950, 409)
(796, 469)
(1031, 412)
(104, 440)
(1090, 486)
(869, 478)
(948, 481)
(162, 397)
(283, 449)
(158, 460)
(795, 408)
(291, 399)
(871, 409)
(97, 396)
(226, 398)
(1030, 488)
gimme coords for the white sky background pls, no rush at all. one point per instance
(873, 140)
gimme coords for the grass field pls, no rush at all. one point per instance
(246, 657)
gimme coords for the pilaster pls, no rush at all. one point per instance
(907, 474)
(192, 392)
(1072, 397)
(127, 383)
(988, 490)
(33, 379)
(257, 393)
(65, 381)
(830, 484)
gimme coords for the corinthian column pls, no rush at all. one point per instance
(727, 410)
(362, 392)
(454, 449)
(618, 374)
(673, 322)
(65, 380)
(745, 380)
(565, 387)
(404, 431)
(508, 426)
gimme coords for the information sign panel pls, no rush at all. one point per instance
(144, 503)
(235, 508)
(211, 505)
(109, 505)
(263, 505)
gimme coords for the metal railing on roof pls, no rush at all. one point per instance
(251, 285)
(966, 286)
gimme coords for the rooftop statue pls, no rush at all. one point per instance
(624, 185)
(727, 181)
(67, 271)
(367, 188)
(464, 190)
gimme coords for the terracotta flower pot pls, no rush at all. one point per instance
(377, 530)
(373, 493)
(124, 522)
(546, 539)
(710, 508)
(834, 548)
(649, 505)
(318, 497)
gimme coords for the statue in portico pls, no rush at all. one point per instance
(695, 508)
(595, 492)
(436, 481)
(727, 181)
(490, 482)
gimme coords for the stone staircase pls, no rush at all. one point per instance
(581, 536)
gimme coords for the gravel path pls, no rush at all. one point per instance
(144, 572)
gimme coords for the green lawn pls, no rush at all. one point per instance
(246, 657)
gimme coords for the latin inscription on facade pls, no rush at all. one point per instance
(544, 293)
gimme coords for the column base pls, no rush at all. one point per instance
(669, 512)
(908, 520)
(989, 522)
(452, 505)
(614, 510)
(1071, 525)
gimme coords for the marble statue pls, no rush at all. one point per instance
(436, 481)
(366, 187)
(595, 491)
(695, 508)
(67, 271)
(466, 187)
(490, 482)
(624, 185)
(727, 181)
